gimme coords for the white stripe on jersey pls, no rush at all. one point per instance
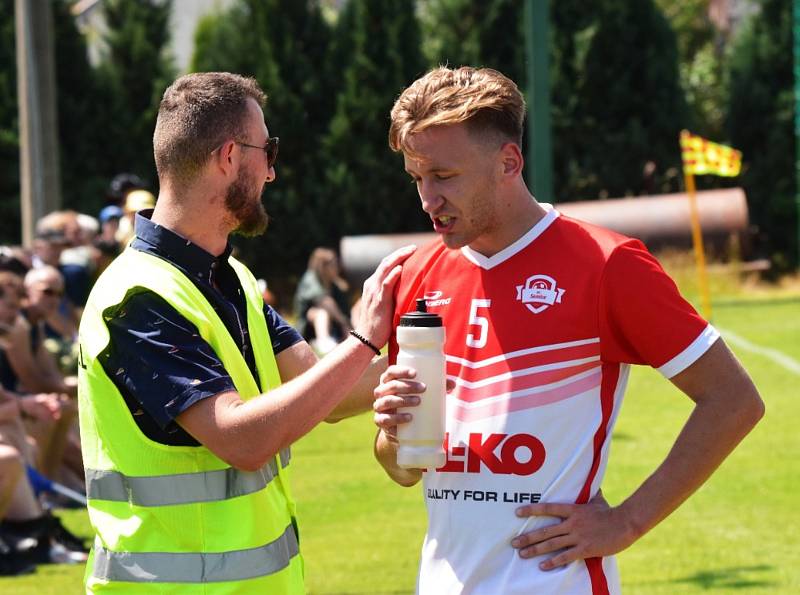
(523, 372)
(519, 353)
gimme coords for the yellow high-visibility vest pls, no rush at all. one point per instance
(178, 519)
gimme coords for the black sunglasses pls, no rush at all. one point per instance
(270, 149)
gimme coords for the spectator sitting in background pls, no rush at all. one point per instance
(56, 232)
(44, 287)
(120, 186)
(109, 218)
(25, 525)
(12, 467)
(135, 201)
(320, 302)
(28, 534)
(17, 254)
(80, 251)
(48, 410)
(105, 251)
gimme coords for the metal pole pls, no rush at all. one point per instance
(40, 185)
(537, 49)
(697, 242)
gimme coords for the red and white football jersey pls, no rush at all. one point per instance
(539, 339)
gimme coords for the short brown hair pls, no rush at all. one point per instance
(488, 101)
(197, 114)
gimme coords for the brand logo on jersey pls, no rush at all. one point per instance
(541, 290)
(502, 454)
(434, 298)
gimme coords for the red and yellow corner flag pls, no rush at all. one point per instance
(704, 157)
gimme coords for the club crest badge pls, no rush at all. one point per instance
(539, 293)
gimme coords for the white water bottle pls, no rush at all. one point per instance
(420, 338)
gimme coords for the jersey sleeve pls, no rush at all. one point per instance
(643, 319)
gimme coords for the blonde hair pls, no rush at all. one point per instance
(486, 100)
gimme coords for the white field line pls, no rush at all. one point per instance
(774, 355)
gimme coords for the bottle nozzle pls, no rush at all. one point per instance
(421, 317)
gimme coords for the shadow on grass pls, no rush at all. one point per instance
(728, 578)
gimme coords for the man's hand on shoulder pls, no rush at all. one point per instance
(377, 298)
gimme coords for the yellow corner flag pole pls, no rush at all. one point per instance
(697, 242)
(700, 156)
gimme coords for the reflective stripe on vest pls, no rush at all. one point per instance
(182, 488)
(162, 567)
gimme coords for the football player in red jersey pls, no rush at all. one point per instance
(544, 316)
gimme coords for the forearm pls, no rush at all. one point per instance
(710, 434)
(386, 454)
(8, 410)
(51, 375)
(249, 433)
(360, 398)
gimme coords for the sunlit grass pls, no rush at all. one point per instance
(739, 534)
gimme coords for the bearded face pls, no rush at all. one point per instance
(243, 201)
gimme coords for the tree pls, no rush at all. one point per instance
(284, 45)
(82, 143)
(367, 190)
(466, 33)
(701, 51)
(616, 102)
(630, 105)
(9, 128)
(760, 121)
(135, 71)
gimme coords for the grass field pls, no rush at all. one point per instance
(739, 534)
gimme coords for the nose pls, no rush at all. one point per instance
(430, 197)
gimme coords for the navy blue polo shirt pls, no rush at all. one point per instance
(156, 357)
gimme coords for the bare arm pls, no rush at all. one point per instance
(361, 397)
(727, 406)
(22, 360)
(247, 434)
(299, 358)
(386, 454)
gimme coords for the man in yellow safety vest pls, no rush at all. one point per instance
(191, 388)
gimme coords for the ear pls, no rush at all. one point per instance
(226, 158)
(511, 160)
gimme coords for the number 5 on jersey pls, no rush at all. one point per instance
(480, 321)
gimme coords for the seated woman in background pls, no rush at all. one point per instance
(44, 396)
(29, 533)
(321, 301)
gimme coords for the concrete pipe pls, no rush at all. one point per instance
(659, 221)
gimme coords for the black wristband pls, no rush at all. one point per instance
(366, 342)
